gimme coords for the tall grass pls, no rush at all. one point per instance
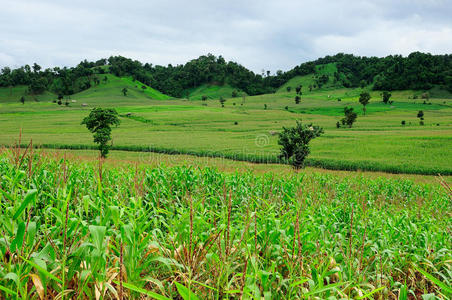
(74, 229)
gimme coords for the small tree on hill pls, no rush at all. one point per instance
(298, 89)
(386, 95)
(222, 101)
(420, 115)
(364, 100)
(22, 100)
(297, 99)
(350, 117)
(295, 143)
(234, 94)
(204, 98)
(288, 88)
(124, 91)
(99, 122)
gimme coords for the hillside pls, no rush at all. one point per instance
(14, 93)
(106, 93)
(213, 91)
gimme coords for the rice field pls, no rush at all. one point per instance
(87, 229)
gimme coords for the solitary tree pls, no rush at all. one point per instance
(350, 117)
(289, 88)
(364, 100)
(124, 91)
(298, 89)
(420, 115)
(204, 97)
(222, 101)
(234, 94)
(99, 122)
(386, 95)
(22, 99)
(294, 142)
(297, 99)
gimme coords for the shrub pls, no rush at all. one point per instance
(295, 143)
(350, 117)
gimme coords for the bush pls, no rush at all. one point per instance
(294, 142)
(350, 117)
(403, 123)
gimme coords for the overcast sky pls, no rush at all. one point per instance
(260, 34)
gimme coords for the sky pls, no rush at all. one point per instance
(259, 34)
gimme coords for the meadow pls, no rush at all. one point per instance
(93, 229)
(246, 128)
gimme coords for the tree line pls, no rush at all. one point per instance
(417, 71)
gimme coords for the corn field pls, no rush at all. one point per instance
(91, 230)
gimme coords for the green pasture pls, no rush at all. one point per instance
(245, 129)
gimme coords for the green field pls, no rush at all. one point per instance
(78, 229)
(213, 91)
(194, 203)
(246, 128)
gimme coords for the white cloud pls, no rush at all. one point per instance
(261, 34)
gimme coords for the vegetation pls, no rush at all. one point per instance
(417, 71)
(73, 229)
(350, 117)
(294, 143)
(99, 122)
(364, 99)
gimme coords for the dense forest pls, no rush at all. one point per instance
(417, 71)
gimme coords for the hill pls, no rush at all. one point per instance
(14, 93)
(213, 91)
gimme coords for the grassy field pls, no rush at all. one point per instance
(82, 229)
(212, 91)
(246, 129)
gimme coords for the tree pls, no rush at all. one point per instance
(364, 100)
(99, 122)
(350, 117)
(298, 89)
(234, 94)
(297, 99)
(288, 88)
(295, 143)
(420, 115)
(204, 97)
(22, 99)
(124, 91)
(222, 101)
(386, 95)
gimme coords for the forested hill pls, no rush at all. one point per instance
(418, 71)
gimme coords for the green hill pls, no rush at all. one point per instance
(13, 94)
(106, 93)
(322, 79)
(213, 91)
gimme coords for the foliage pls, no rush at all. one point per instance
(76, 229)
(386, 96)
(364, 100)
(294, 142)
(350, 117)
(99, 122)
(417, 71)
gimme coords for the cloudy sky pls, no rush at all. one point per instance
(259, 34)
